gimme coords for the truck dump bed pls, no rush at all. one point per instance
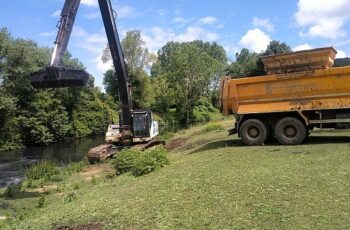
(306, 60)
(308, 90)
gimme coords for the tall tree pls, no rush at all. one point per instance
(189, 70)
(276, 47)
(246, 64)
(138, 59)
(38, 117)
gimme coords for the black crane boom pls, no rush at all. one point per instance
(118, 61)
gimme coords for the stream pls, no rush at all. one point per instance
(14, 163)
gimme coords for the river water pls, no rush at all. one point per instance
(14, 163)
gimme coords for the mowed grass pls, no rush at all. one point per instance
(213, 182)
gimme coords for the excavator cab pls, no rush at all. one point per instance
(144, 128)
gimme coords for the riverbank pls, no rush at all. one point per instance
(213, 181)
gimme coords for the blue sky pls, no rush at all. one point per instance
(234, 24)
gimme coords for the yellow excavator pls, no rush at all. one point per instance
(136, 128)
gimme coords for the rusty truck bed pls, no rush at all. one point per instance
(308, 90)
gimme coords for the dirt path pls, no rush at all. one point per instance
(175, 143)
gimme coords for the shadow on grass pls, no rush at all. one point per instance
(218, 145)
(311, 140)
(327, 140)
(14, 192)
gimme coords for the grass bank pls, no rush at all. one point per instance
(213, 181)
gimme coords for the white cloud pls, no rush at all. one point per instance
(209, 20)
(324, 19)
(195, 33)
(341, 54)
(192, 33)
(255, 40)
(103, 67)
(264, 23)
(181, 20)
(56, 14)
(89, 2)
(125, 11)
(302, 47)
(158, 37)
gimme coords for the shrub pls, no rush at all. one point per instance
(93, 180)
(124, 161)
(41, 201)
(149, 161)
(44, 169)
(70, 197)
(204, 111)
(75, 167)
(140, 163)
(212, 127)
(11, 191)
(27, 183)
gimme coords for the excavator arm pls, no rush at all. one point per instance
(65, 27)
(54, 75)
(119, 65)
(135, 126)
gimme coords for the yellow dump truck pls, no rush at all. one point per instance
(300, 93)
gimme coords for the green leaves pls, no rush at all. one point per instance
(248, 64)
(40, 117)
(190, 71)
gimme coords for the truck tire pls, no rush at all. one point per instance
(253, 132)
(290, 131)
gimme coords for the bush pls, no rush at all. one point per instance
(204, 111)
(124, 161)
(41, 201)
(70, 197)
(149, 161)
(75, 167)
(42, 170)
(11, 191)
(140, 163)
(212, 127)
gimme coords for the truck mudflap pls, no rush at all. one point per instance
(232, 131)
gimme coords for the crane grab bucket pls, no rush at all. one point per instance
(58, 77)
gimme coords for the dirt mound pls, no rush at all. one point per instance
(95, 171)
(175, 143)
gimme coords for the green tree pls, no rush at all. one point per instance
(246, 64)
(138, 59)
(39, 117)
(189, 71)
(276, 47)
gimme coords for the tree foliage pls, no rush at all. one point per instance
(188, 71)
(33, 117)
(138, 60)
(248, 63)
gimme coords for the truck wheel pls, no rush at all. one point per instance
(290, 131)
(253, 132)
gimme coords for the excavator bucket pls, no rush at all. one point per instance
(57, 77)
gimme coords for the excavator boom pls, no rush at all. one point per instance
(119, 64)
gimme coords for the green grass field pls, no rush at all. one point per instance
(212, 182)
